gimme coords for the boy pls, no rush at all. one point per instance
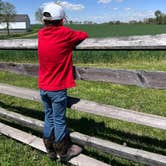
(55, 45)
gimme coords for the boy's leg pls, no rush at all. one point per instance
(63, 144)
(59, 103)
(48, 111)
(48, 130)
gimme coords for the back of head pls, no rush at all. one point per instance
(53, 14)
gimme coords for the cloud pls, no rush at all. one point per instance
(136, 15)
(67, 5)
(119, 0)
(117, 14)
(115, 8)
(71, 6)
(108, 1)
(127, 9)
(104, 1)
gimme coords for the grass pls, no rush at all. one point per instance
(109, 30)
(131, 97)
(144, 100)
(142, 60)
(13, 153)
(103, 30)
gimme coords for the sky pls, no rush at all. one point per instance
(98, 11)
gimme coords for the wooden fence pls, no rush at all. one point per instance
(148, 79)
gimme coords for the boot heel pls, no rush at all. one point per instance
(66, 150)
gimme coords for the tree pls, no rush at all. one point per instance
(7, 13)
(0, 8)
(38, 14)
(158, 15)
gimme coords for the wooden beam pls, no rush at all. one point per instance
(151, 42)
(19, 44)
(85, 140)
(37, 143)
(20, 68)
(93, 108)
(22, 120)
(147, 79)
(118, 113)
(133, 154)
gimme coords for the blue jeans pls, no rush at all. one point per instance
(54, 103)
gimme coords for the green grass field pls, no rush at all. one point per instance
(136, 98)
(108, 30)
(104, 30)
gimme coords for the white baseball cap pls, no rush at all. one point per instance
(56, 11)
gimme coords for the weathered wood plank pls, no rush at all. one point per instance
(84, 140)
(118, 113)
(21, 119)
(133, 154)
(152, 42)
(37, 143)
(19, 44)
(93, 108)
(19, 68)
(24, 93)
(148, 79)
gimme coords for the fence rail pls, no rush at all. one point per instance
(151, 42)
(146, 79)
(99, 144)
(36, 142)
(92, 107)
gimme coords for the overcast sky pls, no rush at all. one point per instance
(96, 10)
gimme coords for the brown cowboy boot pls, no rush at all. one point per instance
(66, 149)
(49, 147)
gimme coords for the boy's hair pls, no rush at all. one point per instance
(51, 22)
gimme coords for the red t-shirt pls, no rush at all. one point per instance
(55, 45)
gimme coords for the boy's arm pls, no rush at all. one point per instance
(77, 37)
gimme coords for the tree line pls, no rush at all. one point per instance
(160, 18)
